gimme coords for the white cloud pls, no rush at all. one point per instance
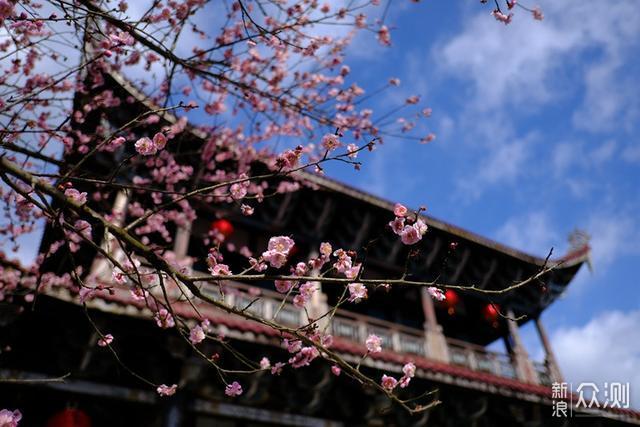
(607, 349)
(613, 235)
(503, 162)
(532, 232)
(523, 64)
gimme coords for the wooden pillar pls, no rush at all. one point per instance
(550, 359)
(181, 241)
(435, 342)
(523, 366)
(101, 267)
(318, 305)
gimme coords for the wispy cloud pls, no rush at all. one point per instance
(532, 232)
(522, 64)
(606, 349)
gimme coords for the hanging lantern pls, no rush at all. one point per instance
(69, 417)
(451, 300)
(222, 226)
(491, 313)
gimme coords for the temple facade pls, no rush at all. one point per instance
(448, 341)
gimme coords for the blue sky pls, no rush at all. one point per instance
(537, 134)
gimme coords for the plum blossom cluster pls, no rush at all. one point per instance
(389, 383)
(146, 146)
(164, 319)
(217, 268)
(410, 230)
(506, 18)
(303, 355)
(278, 250)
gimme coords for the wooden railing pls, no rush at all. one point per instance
(356, 328)
(399, 338)
(544, 376)
(479, 358)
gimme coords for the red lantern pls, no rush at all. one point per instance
(222, 226)
(451, 300)
(69, 417)
(491, 312)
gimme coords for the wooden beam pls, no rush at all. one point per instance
(461, 265)
(487, 276)
(362, 231)
(324, 216)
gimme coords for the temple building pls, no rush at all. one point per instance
(448, 341)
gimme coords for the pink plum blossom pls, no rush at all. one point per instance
(106, 340)
(246, 210)
(427, 139)
(145, 146)
(414, 99)
(335, 370)
(344, 262)
(389, 383)
(277, 368)
(400, 210)
(119, 277)
(220, 270)
(436, 293)
(283, 286)
(278, 250)
(506, 19)
(76, 196)
(165, 390)
(159, 140)
(196, 335)
(330, 142)
(234, 389)
(265, 363)
(325, 249)
(300, 269)
(537, 14)
(292, 346)
(374, 344)
(384, 37)
(304, 357)
(397, 225)
(164, 319)
(409, 369)
(10, 418)
(305, 292)
(410, 235)
(352, 151)
(357, 292)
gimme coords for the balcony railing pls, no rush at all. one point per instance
(543, 373)
(480, 359)
(356, 327)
